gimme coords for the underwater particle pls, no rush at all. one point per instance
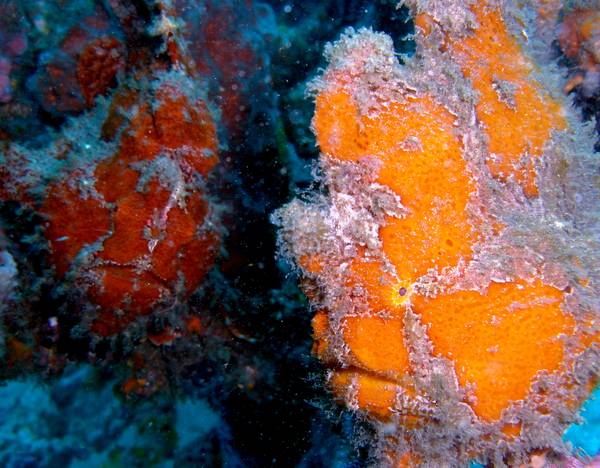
(456, 308)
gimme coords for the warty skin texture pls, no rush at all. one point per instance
(451, 263)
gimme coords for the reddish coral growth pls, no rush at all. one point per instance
(5, 88)
(11, 175)
(98, 65)
(13, 44)
(86, 64)
(579, 39)
(577, 33)
(225, 50)
(133, 227)
(225, 43)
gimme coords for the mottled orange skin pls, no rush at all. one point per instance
(421, 178)
(489, 337)
(497, 339)
(517, 112)
(517, 130)
(148, 233)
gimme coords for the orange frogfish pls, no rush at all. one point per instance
(452, 257)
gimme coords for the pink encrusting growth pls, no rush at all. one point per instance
(451, 260)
